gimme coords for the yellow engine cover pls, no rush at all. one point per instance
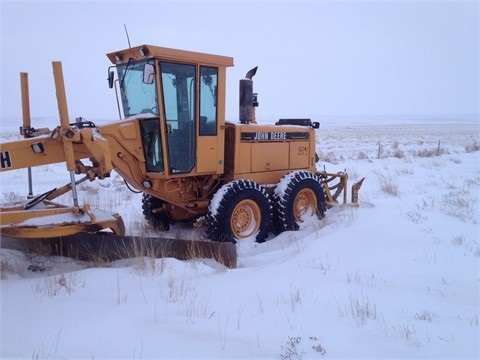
(264, 153)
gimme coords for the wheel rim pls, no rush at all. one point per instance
(246, 219)
(305, 204)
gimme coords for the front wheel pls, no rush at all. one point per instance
(158, 220)
(298, 195)
(238, 211)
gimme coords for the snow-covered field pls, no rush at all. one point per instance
(396, 277)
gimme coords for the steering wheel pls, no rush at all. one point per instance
(152, 110)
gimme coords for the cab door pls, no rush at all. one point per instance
(207, 149)
(179, 97)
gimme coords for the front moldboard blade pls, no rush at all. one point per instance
(109, 247)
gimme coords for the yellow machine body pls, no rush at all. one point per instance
(172, 141)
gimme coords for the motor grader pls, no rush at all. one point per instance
(173, 143)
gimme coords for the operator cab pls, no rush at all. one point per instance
(178, 98)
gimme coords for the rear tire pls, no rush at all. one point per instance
(159, 221)
(298, 194)
(239, 210)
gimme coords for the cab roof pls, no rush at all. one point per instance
(148, 51)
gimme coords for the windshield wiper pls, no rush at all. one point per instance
(122, 81)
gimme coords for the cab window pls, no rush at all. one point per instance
(208, 100)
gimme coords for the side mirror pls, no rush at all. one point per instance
(316, 125)
(111, 75)
(148, 74)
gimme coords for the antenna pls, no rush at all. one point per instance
(128, 39)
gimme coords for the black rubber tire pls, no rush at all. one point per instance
(290, 188)
(244, 200)
(159, 221)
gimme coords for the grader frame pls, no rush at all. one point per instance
(40, 217)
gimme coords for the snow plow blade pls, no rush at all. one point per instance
(109, 247)
(88, 234)
(46, 219)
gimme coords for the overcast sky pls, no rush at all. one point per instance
(315, 58)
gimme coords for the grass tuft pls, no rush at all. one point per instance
(387, 185)
(472, 147)
(6, 267)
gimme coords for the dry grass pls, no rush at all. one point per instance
(404, 171)
(472, 147)
(416, 217)
(387, 184)
(362, 155)
(329, 157)
(460, 205)
(149, 266)
(427, 153)
(359, 308)
(6, 267)
(407, 333)
(399, 154)
(458, 240)
(12, 196)
(425, 315)
(58, 284)
(293, 349)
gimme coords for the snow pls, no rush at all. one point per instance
(217, 198)
(67, 218)
(283, 183)
(397, 277)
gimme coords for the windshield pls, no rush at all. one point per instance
(138, 88)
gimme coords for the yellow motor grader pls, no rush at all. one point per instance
(172, 142)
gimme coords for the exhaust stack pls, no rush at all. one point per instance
(248, 99)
